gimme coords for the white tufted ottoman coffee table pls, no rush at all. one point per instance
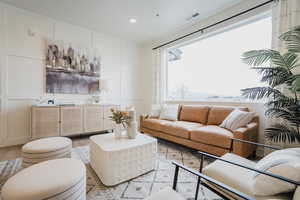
(46, 149)
(116, 161)
(60, 179)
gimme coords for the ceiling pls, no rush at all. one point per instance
(111, 16)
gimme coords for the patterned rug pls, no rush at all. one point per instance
(140, 187)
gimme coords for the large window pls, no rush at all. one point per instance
(211, 68)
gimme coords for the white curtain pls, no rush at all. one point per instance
(159, 76)
(285, 15)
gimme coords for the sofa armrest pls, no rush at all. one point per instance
(142, 118)
(249, 133)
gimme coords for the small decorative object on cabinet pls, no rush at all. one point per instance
(121, 119)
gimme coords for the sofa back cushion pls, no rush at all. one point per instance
(217, 114)
(194, 113)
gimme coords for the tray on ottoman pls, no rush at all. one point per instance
(116, 161)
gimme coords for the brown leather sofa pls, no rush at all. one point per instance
(198, 128)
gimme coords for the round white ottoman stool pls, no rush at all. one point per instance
(60, 179)
(46, 149)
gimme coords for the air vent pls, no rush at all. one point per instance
(195, 15)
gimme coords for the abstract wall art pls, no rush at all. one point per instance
(72, 70)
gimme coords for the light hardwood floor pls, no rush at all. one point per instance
(13, 152)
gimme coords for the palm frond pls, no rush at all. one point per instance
(258, 57)
(289, 115)
(278, 60)
(290, 60)
(292, 39)
(257, 93)
(294, 77)
(281, 133)
(274, 76)
(282, 101)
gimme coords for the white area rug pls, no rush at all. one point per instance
(137, 188)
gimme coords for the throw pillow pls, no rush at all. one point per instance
(155, 110)
(237, 119)
(281, 162)
(169, 112)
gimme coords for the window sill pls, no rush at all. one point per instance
(214, 102)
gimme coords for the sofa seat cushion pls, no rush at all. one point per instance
(223, 172)
(179, 128)
(194, 114)
(213, 135)
(154, 124)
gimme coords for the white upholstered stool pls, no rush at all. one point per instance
(46, 149)
(60, 179)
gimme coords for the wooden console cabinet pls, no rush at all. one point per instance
(70, 120)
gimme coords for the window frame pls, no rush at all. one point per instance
(203, 36)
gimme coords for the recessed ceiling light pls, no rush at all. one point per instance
(132, 20)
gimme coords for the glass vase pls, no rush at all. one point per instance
(118, 129)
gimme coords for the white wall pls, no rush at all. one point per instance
(22, 67)
(148, 60)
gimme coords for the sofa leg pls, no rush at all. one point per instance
(253, 155)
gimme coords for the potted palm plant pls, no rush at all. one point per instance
(281, 73)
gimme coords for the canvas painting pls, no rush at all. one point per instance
(71, 71)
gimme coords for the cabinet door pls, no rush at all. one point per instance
(45, 122)
(93, 118)
(71, 120)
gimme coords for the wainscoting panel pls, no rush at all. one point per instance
(25, 77)
(2, 122)
(1, 49)
(18, 120)
(70, 34)
(110, 51)
(27, 33)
